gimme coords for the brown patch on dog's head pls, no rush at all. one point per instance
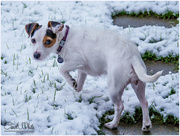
(51, 33)
(49, 39)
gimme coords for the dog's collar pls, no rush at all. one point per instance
(61, 44)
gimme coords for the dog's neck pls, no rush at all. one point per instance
(61, 44)
(63, 40)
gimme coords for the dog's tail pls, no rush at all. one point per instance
(141, 72)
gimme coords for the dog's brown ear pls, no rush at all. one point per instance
(31, 27)
(55, 26)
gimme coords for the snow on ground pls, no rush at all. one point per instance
(159, 7)
(36, 92)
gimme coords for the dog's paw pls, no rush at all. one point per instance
(78, 90)
(146, 127)
(111, 125)
(74, 84)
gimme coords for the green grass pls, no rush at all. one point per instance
(176, 65)
(24, 5)
(100, 132)
(55, 63)
(63, 22)
(170, 93)
(127, 118)
(62, 86)
(27, 98)
(69, 116)
(2, 72)
(80, 98)
(54, 95)
(2, 57)
(34, 90)
(103, 119)
(27, 114)
(170, 119)
(156, 117)
(155, 41)
(91, 100)
(14, 112)
(170, 58)
(14, 58)
(167, 15)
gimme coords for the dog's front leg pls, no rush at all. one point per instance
(80, 80)
(65, 69)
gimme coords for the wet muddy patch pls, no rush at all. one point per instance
(132, 21)
(135, 129)
(155, 66)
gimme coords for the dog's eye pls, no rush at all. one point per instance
(33, 41)
(48, 42)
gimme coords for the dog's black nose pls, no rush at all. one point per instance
(37, 55)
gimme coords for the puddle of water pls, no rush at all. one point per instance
(127, 21)
(153, 67)
(135, 129)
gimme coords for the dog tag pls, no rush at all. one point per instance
(60, 59)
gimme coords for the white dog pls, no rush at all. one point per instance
(95, 52)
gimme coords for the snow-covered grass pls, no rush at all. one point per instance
(163, 9)
(160, 41)
(36, 92)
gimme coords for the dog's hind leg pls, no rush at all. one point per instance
(139, 88)
(116, 87)
(80, 80)
(118, 108)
